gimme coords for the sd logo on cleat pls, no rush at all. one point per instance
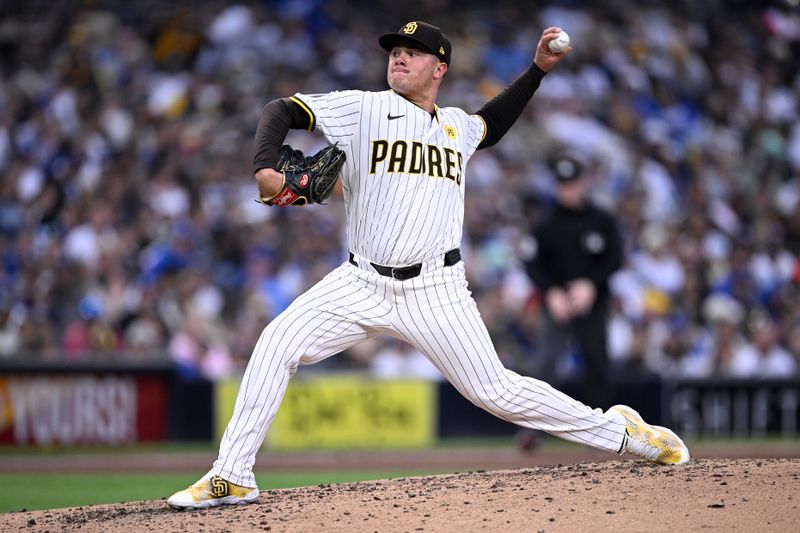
(219, 487)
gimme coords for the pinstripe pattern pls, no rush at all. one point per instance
(339, 311)
(396, 218)
(434, 312)
(398, 213)
(458, 343)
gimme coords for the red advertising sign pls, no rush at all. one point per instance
(81, 409)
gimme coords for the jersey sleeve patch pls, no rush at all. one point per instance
(483, 135)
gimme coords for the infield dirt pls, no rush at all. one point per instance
(614, 495)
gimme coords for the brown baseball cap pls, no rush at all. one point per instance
(426, 35)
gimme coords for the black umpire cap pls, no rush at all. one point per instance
(565, 167)
(426, 35)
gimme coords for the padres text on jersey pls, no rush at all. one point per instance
(404, 157)
(403, 181)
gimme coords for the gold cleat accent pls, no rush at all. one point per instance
(212, 491)
(653, 443)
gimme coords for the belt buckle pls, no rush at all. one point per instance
(393, 271)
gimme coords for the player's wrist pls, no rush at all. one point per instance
(538, 71)
(266, 197)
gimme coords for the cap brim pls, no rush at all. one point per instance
(390, 40)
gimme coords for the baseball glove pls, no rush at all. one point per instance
(306, 179)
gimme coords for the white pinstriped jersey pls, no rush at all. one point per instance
(404, 197)
(403, 181)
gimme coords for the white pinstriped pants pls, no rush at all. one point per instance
(434, 312)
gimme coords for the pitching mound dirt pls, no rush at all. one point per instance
(721, 494)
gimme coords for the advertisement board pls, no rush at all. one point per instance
(53, 409)
(335, 411)
(734, 408)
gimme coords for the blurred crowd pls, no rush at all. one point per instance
(128, 227)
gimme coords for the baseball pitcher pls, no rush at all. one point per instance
(402, 161)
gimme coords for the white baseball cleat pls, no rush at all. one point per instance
(653, 443)
(212, 491)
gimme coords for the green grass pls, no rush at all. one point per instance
(50, 491)
(34, 491)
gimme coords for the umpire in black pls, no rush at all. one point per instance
(578, 246)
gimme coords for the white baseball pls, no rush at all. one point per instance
(560, 43)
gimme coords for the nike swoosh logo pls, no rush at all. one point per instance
(390, 117)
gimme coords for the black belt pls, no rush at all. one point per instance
(450, 258)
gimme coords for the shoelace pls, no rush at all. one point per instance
(642, 448)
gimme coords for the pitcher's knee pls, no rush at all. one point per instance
(270, 348)
(504, 402)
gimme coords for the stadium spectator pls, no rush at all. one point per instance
(124, 132)
(762, 356)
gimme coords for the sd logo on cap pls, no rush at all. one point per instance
(409, 28)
